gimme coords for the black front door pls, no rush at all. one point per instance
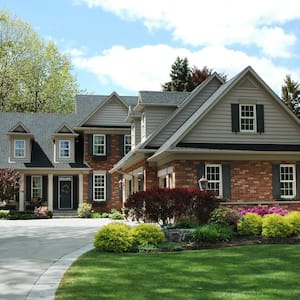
(65, 192)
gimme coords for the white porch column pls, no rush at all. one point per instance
(50, 192)
(21, 192)
(80, 189)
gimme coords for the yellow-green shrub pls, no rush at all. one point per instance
(250, 224)
(293, 218)
(275, 225)
(114, 237)
(147, 234)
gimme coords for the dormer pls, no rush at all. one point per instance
(64, 144)
(19, 143)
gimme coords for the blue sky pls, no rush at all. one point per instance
(127, 46)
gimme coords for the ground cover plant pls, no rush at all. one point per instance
(250, 272)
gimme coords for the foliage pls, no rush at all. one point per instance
(224, 216)
(165, 205)
(84, 210)
(170, 246)
(250, 224)
(147, 248)
(34, 76)
(185, 223)
(116, 215)
(9, 184)
(147, 234)
(114, 237)
(41, 211)
(105, 215)
(4, 214)
(293, 218)
(275, 226)
(96, 215)
(290, 94)
(27, 215)
(260, 210)
(184, 78)
(212, 233)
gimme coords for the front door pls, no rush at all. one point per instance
(65, 194)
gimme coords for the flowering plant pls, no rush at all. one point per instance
(264, 210)
(41, 211)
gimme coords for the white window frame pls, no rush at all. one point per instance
(60, 148)
(215, 181)
(40, 178)
(288, 181)
(166, 178)
(127, 146)
(103, 187)
(247, 117)
(19, 148)
(99, 144)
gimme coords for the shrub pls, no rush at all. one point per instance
(4, 214)
(114, 237)
(116, 215)
(274, 225)
(212, 233)
(250, 224)
(170, 246)
(224, 216)
(293, 218)
(95, 215)
(41, 212)
(264, 210)
(147, 234)
(84, 210)
(105, 215)
(186, 223)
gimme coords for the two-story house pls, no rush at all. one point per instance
(237, 134)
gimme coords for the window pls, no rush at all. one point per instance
(99, 190)
(127, 143)
(247, 118)
(214, 177)
(64, 149)
(99, 144)
(19, 148)
(36, 186)
(287, 181)
(166, 178)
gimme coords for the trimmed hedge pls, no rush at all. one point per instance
(250, 224)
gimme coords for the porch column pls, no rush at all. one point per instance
(50, 192)
(80, 189)
(21, 192)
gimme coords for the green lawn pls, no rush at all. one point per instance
(246, 272)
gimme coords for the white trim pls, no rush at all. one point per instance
(60, 148)
(65, 178)
(15, 148)
(143, 127)
(216, 181)
(126, 144)
(288, 181)
(99, 173)
(248, 118)
(98, 144)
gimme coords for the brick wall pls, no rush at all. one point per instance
(104, 165)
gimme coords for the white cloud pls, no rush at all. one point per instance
(147, 67)
(215, 22)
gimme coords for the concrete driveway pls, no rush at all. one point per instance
(34, 250)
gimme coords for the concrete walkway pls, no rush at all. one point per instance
(34, 254)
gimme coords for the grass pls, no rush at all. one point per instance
(247, 272)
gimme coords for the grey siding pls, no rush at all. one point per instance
(185, 113)
(155, 116)
(137, 126)
(112, 113)
(215, 127)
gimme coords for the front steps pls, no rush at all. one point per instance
(65, 214)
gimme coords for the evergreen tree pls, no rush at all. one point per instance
(34, 76)
(290, 94)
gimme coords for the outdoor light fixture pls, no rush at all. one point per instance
(203, 183)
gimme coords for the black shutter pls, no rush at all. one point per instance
(276, 181)
(28, 188)
(55, 192)
(298, 180)
(108, 145)
(121, 137)
(45, 188)
(260, 120)
(108, 187)
(201, 171)
(90, 144)
(226, 179)
(91, 198)
(235, 118)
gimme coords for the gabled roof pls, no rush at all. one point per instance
(210, 103)
(19, 128)
(64, 128)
